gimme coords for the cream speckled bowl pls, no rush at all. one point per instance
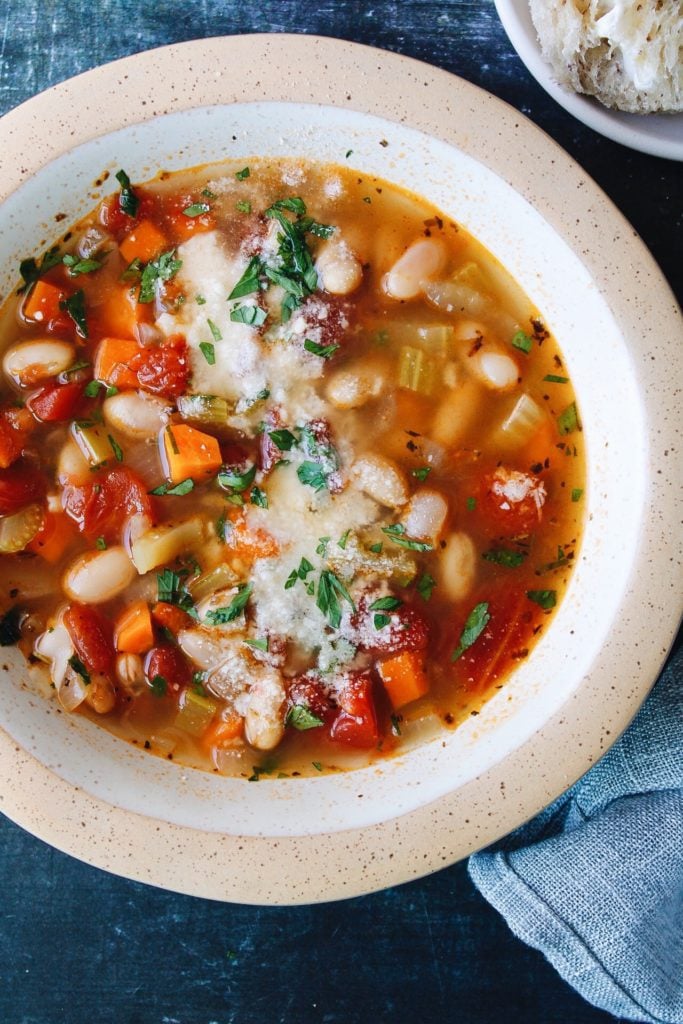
(617, 323)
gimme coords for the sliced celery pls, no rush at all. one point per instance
(356, 557)
(525, 418)
(94, 443)
(218, 578)
(19, 529)
(207, 409)
(196, 713)
(415, 370)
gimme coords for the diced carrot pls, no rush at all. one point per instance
(223, 732)
(43, 302)
(111, 362)
(133, 629)
(247, 544)
(190, 453)
(144, 242)
(404, 677)
(170, 616)
(116, 311)
(54, 537)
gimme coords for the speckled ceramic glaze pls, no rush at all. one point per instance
(285, 841)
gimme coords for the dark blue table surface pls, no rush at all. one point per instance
(79, 946)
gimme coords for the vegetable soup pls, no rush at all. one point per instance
(291, 470)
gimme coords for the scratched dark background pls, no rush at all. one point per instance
(79, 946)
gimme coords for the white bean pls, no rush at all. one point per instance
(458, 566)
(55, 647)
(496, 370)
(427, 513)
(29, 362)
(72, 465)
(339, 269)
(420, 262)
(351, 388)
(381, 479)
(135, 414)
(130, 673)
(264, 722)
(98, 576)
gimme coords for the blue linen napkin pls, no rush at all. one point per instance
(596, 880)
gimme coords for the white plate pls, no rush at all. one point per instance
(657, 134)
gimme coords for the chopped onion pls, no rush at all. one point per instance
(523, 421)
(17, 530)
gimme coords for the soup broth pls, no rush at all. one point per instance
(291, 470)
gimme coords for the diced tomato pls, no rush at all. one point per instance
(102, 506)
(510, 502)
(308, 691)
(15, 428)
(117, 221)
(56, 403)
(170, 663)
(506, 636)
(20, 485)
(356, 723)
(407, 630)
(163, 369)
(91, 635)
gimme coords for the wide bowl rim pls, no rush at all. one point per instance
(360, 860)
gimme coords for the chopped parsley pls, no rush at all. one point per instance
(553, 378)
(237, 480)
(243, 206)
(471, 504)
(163, 268)
(475, 624)
(250, 281)
(330, 590)
(283, 439)
(577, 493)
(259, 644)
(304, 568)
(522, 341)
(74, 305)
(208, 351)
(196, 209)
(324, 351)
(386, 604)
(422, 473)
(101, 544)
(312, 474)
(425, 586)
(78, 667)
(158, 686)
(220, 616)
(568, 420)
(503, 556)
(76, 266)
(302, 718)
(545, 599)
(184, 487)
(253, 316)
(396, 533)
(258, 497)
(31, 270)
(116, 448)
(341, 543)
(128, 201)
(243, 174)
(215, 333)
(172, 590)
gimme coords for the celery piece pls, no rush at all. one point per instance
(415, 370)
(94, 443)
(207, 409)
(196, 713)
(218, 578)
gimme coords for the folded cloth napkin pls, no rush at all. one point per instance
(596, 880)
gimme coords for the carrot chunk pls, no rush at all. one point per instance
(190, 453)
(53, 538)
(111, 362)
(223, 732)
(404, 677)
(43, 302)
(171, 617)
(133, 629)
(144, 242)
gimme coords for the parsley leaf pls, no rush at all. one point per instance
(546, 599)
(422, 473)
(283, 439)
(236, 480)
(250, 280)
(76, 266)
(475, 624)
(74, 305)
(241, 175)
(254, 316)
(503, 556)
(258, 497)
(31, 270)
(239, 602)
(208, 351)
(324, 351)
(128, 201)
(163, 268)
(522, 342)
(568, 420)
(330, 589)
(396, 532)
(385, 604)
(301, 717)
(425, 586)
(172, 590)
(215, 333)
(184, 487)
(78, 667)
(312, 474)
(196, 209)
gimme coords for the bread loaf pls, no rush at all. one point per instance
(626, 53)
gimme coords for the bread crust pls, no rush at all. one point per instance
(626, 53)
